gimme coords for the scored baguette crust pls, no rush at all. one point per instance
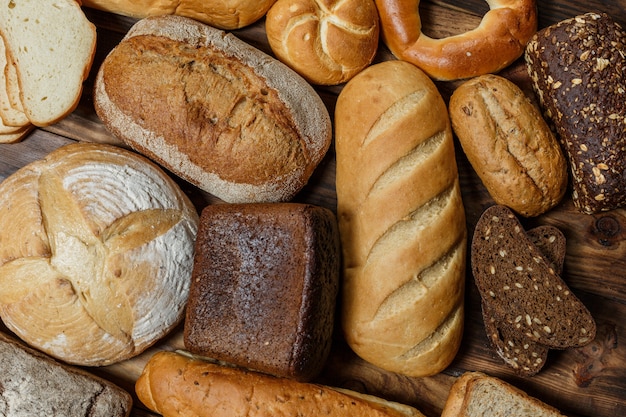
(265, 152)
(178, 385)
(475, 394)
(494, 44)
(509, 144)
(34, 384)
(402, 221)
(223, 14)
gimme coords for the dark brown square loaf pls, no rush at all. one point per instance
(521, 353)
(518, 283)
(577, 67)
(264, 287)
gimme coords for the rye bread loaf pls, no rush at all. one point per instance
(401, 221)
(525, 356)
(264, 287)
(33, 384)
(518, 283)
(212, 109)
(577, 68)
(475, 394)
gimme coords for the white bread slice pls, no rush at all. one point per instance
(475, 394)
(52, 45)
(10, 115)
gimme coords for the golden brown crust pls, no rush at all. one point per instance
(326, 41)
(176, 385)
(217, 112)
(227, 15)
(397, 187)
(498, 41)
(509, 145)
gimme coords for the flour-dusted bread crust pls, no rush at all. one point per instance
(33, 384)
(219, 113)
(475, 394)
(401, 221)
(577, 69)
(178, 385)
(52, 44)
(96, 253)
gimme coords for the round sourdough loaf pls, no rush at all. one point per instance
(327, 42)
(96, 252)
(214, 110)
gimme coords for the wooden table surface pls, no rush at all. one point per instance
(589, 381)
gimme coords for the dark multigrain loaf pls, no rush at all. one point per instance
(518, 282)
(521, 353)
(577, 68)
(264, 287)
(33, 384)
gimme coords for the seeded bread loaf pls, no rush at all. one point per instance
(401, 219)
(518, 283)
(577, 68)
(264, 287)
(475, 394)
(509, 144)
(212, 109)
(33, 384)
(525, 356)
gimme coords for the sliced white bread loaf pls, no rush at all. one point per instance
(52, 45)
(10, 115)
(475, 394)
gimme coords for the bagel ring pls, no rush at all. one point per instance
(495, 43)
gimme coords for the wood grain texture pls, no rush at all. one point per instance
(590, 381)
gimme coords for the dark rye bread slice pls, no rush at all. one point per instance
(522, 354)
(577, 68)
(515, 278)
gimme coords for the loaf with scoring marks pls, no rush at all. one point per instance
(401, 219)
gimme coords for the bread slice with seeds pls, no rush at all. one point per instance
(522, 354)
(518, 283)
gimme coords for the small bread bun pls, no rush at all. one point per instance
(96, 253)
(325, 42)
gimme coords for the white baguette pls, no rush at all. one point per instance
(216, 111)
(401, 219)
(177, 385)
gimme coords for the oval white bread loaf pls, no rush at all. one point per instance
(223, 14)
(326, 42)
(214, 110)
(96, 253)
(52, 44)
(177, 385)
(402, 221)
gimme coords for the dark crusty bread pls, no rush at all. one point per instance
(577, 68)
(522, 354)
(212, 109)
(264, 287)
(475, 394)
(517, 281)
(33, 384)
